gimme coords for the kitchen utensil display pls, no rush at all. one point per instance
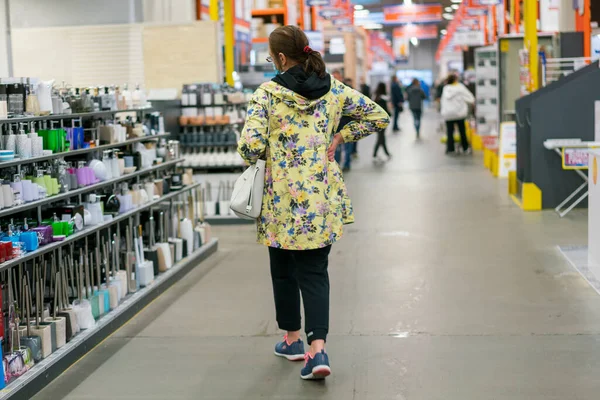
(103, 293)
(224, 197)
(178, 242)
(164, 250)
(31, 341)
(130, 265)
(40, 329)
(40, 312)
(210, 206)
(81, 306)
(59, 323)
(65, 310)
(196, 239)
(145, 268)
(187, 232)
(113, 287)
(93, 298)
(151, 253)
(203, 228)
(121, 276)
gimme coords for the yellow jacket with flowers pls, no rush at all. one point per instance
(305, 201)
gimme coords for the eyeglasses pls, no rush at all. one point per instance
(269, 59)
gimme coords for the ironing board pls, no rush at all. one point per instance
(563, 147)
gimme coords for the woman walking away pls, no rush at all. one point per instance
(416, 95)
(381, 99)
(455, 109)
(291, 123)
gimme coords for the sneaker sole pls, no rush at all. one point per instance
(295, 357)
(318, 373)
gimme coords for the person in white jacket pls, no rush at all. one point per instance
(455, 109)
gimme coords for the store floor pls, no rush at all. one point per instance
(443, 289)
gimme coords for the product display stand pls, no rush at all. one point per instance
(111, 229)
(50, 368)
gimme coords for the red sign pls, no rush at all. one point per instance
(416, 31)
(412, 13)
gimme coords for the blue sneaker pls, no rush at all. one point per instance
(316, 367)
(291, 351)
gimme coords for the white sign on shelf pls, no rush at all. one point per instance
(507, 156)
(469, 38)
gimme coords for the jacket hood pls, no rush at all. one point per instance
(451, 91)
(310, 87)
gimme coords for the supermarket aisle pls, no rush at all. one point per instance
(443, 289)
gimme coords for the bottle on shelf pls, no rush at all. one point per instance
(127, 98)
(3, 102)
(138, 97)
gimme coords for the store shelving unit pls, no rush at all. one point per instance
(52, 366)
(19, 161)
(61, 117)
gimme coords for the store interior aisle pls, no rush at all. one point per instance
(443, 289)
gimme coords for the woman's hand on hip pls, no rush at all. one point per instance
(337, 140)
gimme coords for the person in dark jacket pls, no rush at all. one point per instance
(397, 100)
(382, 101)
(364, 88)
(416, 95)
(347, 148)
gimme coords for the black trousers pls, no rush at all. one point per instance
(397, 111)
(463, 134)
(380, 143)
(301, 271)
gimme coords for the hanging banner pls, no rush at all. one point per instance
(412, 13)
(549, 19)
(316, 40)
(342, 21)
(317, 3)
(469, 38)
(368, 19)
(476, 12)
(486, 2)
(401, 48)
(429, 31)
(330, 12)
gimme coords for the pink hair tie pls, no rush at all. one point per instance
(307, 49)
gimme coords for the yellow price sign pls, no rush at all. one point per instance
(504, 46)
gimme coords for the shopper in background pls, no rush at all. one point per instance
(291, 122)
(397, 100)
(350, 149)
(415, 95)
(455, 109)
(344, 152)
(382, 100)
(364, 88)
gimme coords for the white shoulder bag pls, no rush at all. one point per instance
(246, 199)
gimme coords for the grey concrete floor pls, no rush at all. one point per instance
(443, 289)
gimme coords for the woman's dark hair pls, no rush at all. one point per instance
(291, 41)
(381, 90)
(452, 78)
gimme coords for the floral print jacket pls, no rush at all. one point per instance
(305, 201)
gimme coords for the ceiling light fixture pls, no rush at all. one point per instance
(448, 9)
(407, 2)
(414, 41)
(455, 6)
(443, 32)
(448, 16)
(359, 7)
(456, 1)
(361, 13)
